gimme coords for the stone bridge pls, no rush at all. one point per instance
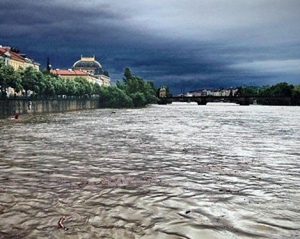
(241, 100)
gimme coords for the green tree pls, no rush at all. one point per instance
(80, 85)
(127, 75)
(70, 87)
(296, 95)
(134, 85)
(150, 92)
(60, 85)
(247, 91)
(96, 89)
(138, 99)
(120, 85)
(15, 82)
(282, 89)
(7, 76)
(39, 87)
(296, 91)
(29, 79)
(138, 89)
(49, 85)
(113, 97)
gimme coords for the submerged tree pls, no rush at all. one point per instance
(132, 92)
(113, 97)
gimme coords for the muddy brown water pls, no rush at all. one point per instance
(176, 171)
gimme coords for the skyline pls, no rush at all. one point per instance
(195, 45)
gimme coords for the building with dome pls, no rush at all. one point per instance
(92, 67)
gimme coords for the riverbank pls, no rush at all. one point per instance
(9, 107)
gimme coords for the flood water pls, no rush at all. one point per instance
(173, 171)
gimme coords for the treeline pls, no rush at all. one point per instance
(133, 91)
(273, 93)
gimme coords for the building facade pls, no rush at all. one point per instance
(72, 74)
(18, 61)
(12, 57)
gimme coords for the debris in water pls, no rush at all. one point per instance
(60, 223)
(187, 212)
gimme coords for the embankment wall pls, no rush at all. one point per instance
(9, 107)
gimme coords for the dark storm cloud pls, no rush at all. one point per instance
(183, 44)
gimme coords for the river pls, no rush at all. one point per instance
(165, 171)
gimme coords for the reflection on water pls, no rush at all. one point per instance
(176, 171)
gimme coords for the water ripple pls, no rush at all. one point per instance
(178, 171)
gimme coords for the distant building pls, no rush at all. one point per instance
(93, 68)
(72, 74)
(162, 92)
(5, 56)
(18, 61)
(215, 92)
(12, 57)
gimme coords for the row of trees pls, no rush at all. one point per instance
(282, 89)
(132, 92)
(274, 92)
(42, 83)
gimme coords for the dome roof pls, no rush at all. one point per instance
(87, 62)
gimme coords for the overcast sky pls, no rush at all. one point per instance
(189, 45)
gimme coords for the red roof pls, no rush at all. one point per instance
(13, 55)
(68, 72)
(16, 56)
(2, 50)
